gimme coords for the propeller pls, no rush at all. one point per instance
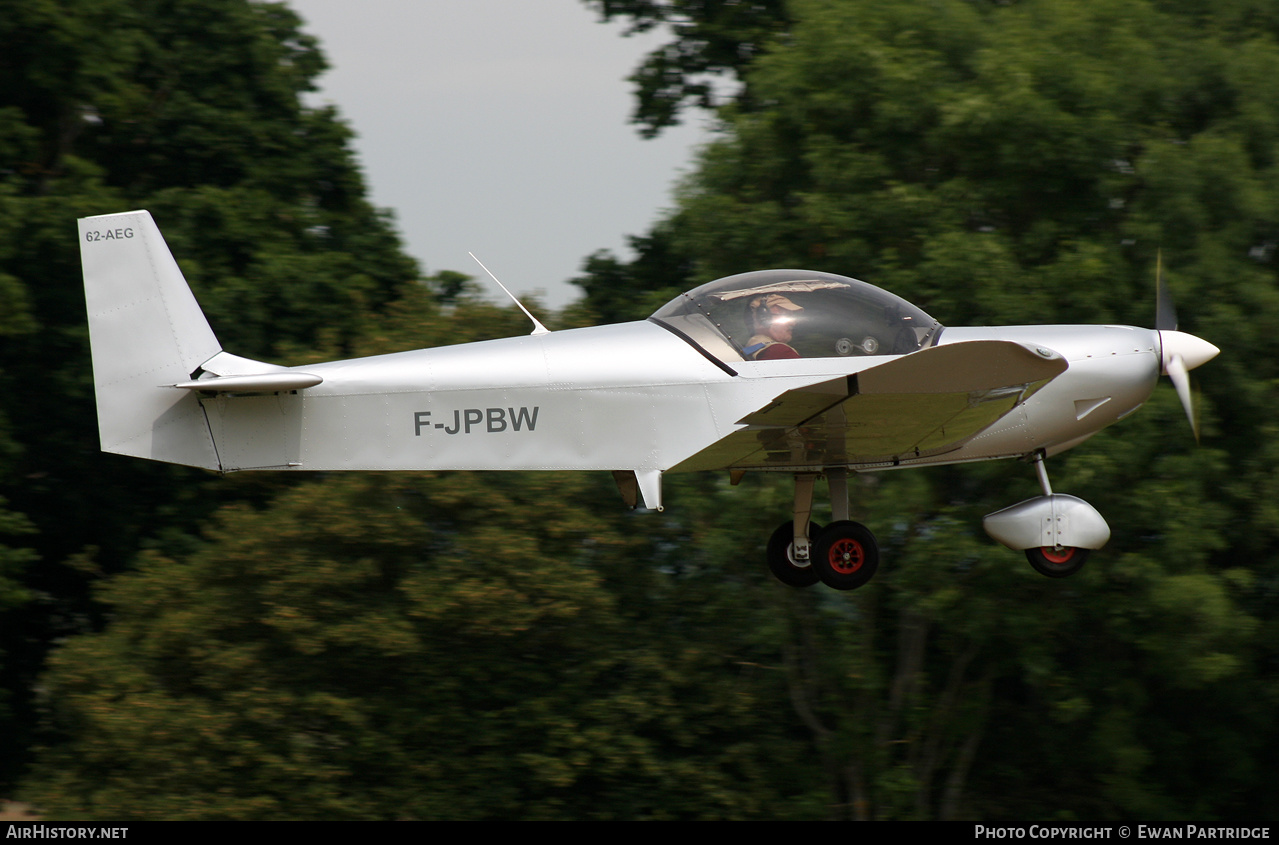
(1180, 352)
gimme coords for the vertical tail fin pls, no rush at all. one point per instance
(146, 331)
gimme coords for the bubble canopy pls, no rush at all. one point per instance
(796, 313)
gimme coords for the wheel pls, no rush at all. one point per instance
(781, 556)
(1057, 563)
(845, 555)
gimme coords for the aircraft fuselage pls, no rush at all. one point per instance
(631, 395)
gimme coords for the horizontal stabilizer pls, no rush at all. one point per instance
(255, 383)
(148, 336)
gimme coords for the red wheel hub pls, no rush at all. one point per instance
(846, 556)
(1063, 555)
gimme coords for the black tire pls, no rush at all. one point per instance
(781, 556)
(1055, 563)
(845, 555)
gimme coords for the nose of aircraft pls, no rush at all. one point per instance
(1193, 351)
(1181, 353)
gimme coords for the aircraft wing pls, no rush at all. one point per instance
(923, 404)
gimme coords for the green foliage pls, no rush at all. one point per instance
(406, 646)
(713, 38)
(617, 292)
(192, 109)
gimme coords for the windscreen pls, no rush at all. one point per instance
(773, 314)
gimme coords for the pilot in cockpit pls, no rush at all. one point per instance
(772, 321)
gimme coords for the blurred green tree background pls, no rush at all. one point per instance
(179, 645)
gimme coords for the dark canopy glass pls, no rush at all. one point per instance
(830, 316)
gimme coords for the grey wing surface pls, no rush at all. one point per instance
(915, 406)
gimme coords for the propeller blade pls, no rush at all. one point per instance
(1181, 353)
(1176, 369)
(1165, 313)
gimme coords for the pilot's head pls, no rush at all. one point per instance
(774, 315)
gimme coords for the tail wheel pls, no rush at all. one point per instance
(1057, 562)
(845, 555)
(781, 556)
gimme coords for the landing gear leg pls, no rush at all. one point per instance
(1042, 472)
(843, 555)
(789, 549)
(837, 479)
(1054, 561)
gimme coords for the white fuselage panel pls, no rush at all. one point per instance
(631, 396)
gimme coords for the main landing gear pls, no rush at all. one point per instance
(843, 555)
(1057, 532)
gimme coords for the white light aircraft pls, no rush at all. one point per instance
(778, 370)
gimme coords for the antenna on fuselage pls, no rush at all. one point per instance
(538, 328)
